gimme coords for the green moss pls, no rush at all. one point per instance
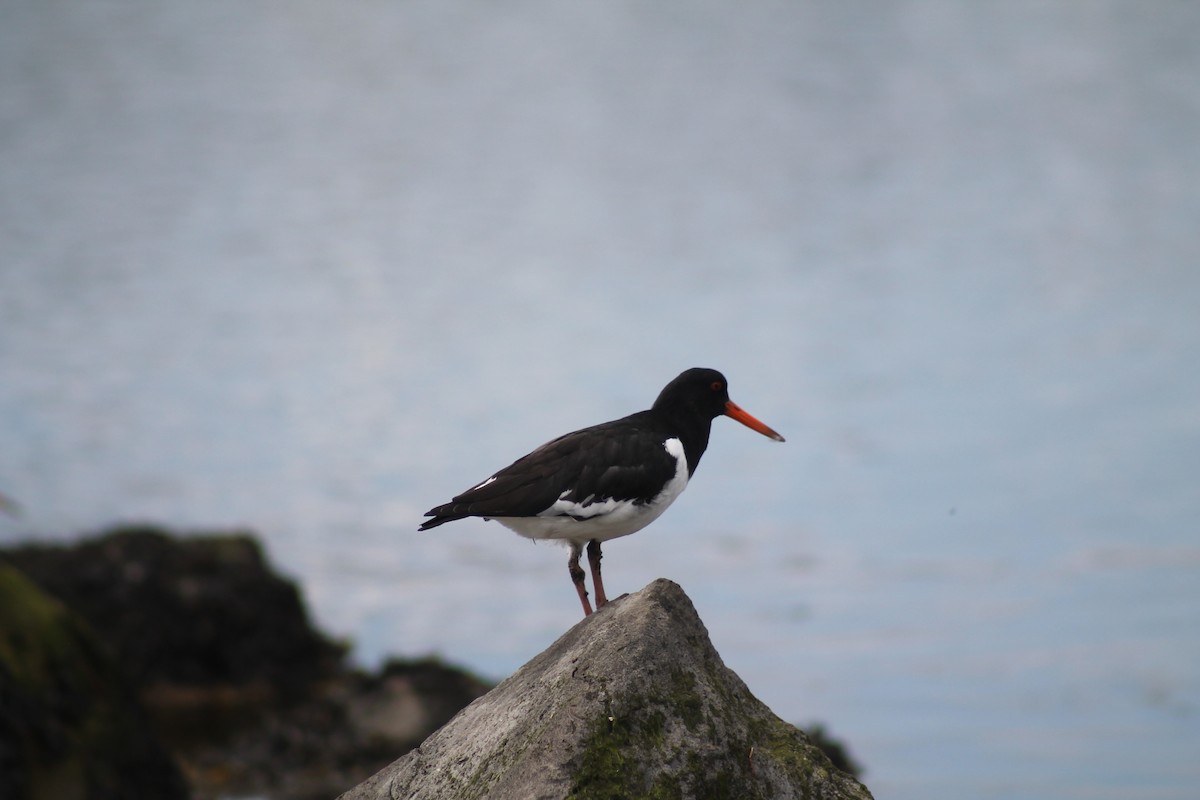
(34, 632)
(633, 732)
(686, 701)
(72, 726)
(786, 746)
(613, 766)
(602, 774)
(717, 782)
(616, 747)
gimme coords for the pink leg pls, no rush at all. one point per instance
(594, 557)
(577, 577)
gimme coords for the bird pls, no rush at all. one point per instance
(605, 481)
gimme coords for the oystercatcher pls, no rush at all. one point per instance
(608, 480)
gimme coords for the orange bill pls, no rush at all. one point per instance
(735, 411)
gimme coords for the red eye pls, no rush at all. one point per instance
(716, 386)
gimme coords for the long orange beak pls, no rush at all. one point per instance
(735, 411)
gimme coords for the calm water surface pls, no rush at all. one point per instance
(312, 268)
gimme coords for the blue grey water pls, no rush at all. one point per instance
(313, 267)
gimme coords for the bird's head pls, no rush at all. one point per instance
(705, 392)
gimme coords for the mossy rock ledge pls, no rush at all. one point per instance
(70, 727)
(632, 702)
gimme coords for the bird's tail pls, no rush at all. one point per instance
(439, 519)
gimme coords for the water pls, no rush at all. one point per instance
(312, 268)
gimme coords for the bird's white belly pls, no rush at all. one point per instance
(603, 519)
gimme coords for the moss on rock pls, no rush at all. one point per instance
(69, 726)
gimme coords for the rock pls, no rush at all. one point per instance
(350, 728)
(188, 611)
(70, 727)
(244, 692)
(632, 702)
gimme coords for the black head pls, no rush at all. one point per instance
(704, 393)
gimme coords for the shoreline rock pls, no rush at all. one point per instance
(633, 701)
(206, 611)
(224, 667)
(70, 726)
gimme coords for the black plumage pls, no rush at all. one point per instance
(589, 465)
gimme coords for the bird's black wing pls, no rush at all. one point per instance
(624, 459)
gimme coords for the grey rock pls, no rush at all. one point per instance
(631, 702)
